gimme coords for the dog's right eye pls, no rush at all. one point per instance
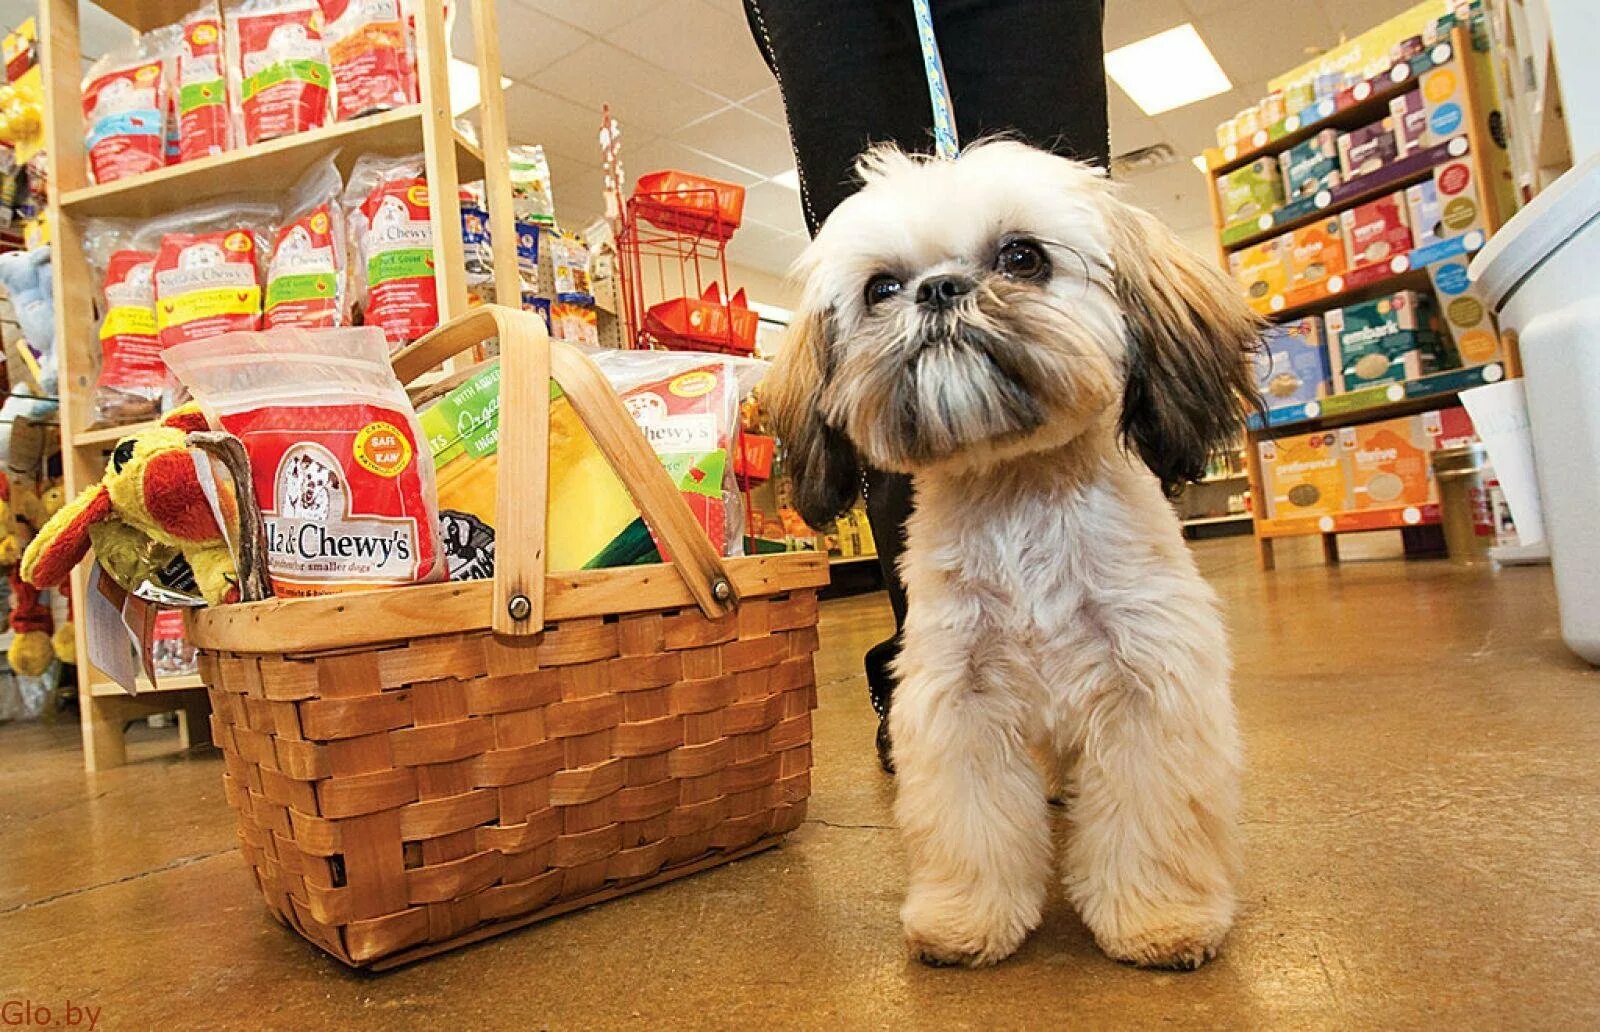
(881, 288)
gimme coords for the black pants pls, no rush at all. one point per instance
(851, 74)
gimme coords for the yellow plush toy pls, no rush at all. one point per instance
(147, 519)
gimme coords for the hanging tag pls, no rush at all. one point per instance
(109, 647)
(139, 617)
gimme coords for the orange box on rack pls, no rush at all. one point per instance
(1387, 464)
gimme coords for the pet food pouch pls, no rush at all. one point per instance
(203, 120)
(368, 48)
(341, 470)
(389, 210)
(305, 275)
(278, 67)
(125, 106)
(128, 388)
(531, 198)
(207, 278)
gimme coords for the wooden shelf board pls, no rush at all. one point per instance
(847, 560)
(272, 165)
(106, 436)
(1382, 402)
(173, 684)
(1350, 522)
(146, 14)
(1208, 521)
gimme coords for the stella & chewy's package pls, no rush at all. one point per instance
(1303, 475)
(389, 211)
(126, 96)
(1316, 252)
(132, 374)
(205, 121)
(374, 68)
(1262, 270)
(306, 270)
(1292, 366)
(207, 273)
(339, 465)
(1387, 463)
(1378, 230)
(278, 67)
(1250, 191)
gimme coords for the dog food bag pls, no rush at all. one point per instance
(278, 67)
(389, 207)
(125, 104)
(305, 274)
(531, 197)
(340, 467)
(132, 374)
(207, 274)
(204, 120)
(374, 68)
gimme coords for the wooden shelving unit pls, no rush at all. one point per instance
(1471, 142)
(425, 127)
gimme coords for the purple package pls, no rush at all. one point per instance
(1368, 148)
(1410, 122)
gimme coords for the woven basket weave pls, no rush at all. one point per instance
(418, 768)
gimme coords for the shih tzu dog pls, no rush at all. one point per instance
(1043, 359)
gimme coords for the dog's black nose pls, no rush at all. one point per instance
(943, 291)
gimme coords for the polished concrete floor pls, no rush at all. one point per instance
(1422, 828)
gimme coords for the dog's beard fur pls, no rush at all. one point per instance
(998, 367)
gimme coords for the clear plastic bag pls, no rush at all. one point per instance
(127, 95)
(132, 376)
(391, 233)
(306, 272)
(339, 466)
(370, 51)
(204, 116)
(278, 68)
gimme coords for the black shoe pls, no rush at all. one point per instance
(880, 691)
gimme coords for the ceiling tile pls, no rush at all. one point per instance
(733, 7)
(563, 127)
(740, 138)
(1260, 40)
(710, 48)
(540, 40)
(1193, 128)
(641, 95)
(595, 16)
(774, 206)
(659, 154)
(764, 249)
(1128, 22)
(1175, 193)
(768, 104)
(1353, 17)
(578, 189)
(1130, 127)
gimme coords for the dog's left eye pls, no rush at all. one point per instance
(881, 288)
(1021, 260)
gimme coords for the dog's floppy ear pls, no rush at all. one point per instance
(818, 458)
(1190, 380)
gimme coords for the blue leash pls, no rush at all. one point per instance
(946, 143)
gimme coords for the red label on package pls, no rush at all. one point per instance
(372, 64)
(341, 494)
(401, 296)
(1378, 230)
(206, 284)
(688, 422)
(130, 350)
(202, 90)
(283, 72)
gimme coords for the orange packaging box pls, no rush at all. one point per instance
(1315, 253)
(1303, 475)
(1387, 463)
(1262, 270)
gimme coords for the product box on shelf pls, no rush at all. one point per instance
(1377, 231)
(1410, 123)
(1311, 165)
(1386, 463)
(1422, 210)
(1250, 191)
(1303, 475)
(1448, 428)
(1465, 316)
(1384, 340)
(1315, 253)
(1262, 270)
(1368, 148)
(1292, 367)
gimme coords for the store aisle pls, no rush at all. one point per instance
(1423, 813)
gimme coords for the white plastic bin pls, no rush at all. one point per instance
(1541, 273)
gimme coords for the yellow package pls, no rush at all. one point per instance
(1262, 270)
(1303, 476)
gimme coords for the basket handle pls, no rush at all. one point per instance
(528, 360)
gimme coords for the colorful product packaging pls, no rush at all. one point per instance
(531, 196)
(1385, 340)
(278, 67)
(1262, 270)
(370, 53)
(1367, 149)
(132, 375)
(1378, 230)
(1387, 464)
(1250, 191)
(306, 273)
(1311, 166)
(345, 488)
(204, 121)
(1424, 214)
(1292, 367)
(389, 210)
(1449, 428)
(207, 273)
(125, 104)
(1410, 123)
(1303, 475)
(528, 255)
(1316, 253)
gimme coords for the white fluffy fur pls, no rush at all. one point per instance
(1053, 605)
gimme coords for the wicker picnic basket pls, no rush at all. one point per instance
(423, 767)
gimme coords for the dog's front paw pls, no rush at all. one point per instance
(945, 930)
(1174, 947)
